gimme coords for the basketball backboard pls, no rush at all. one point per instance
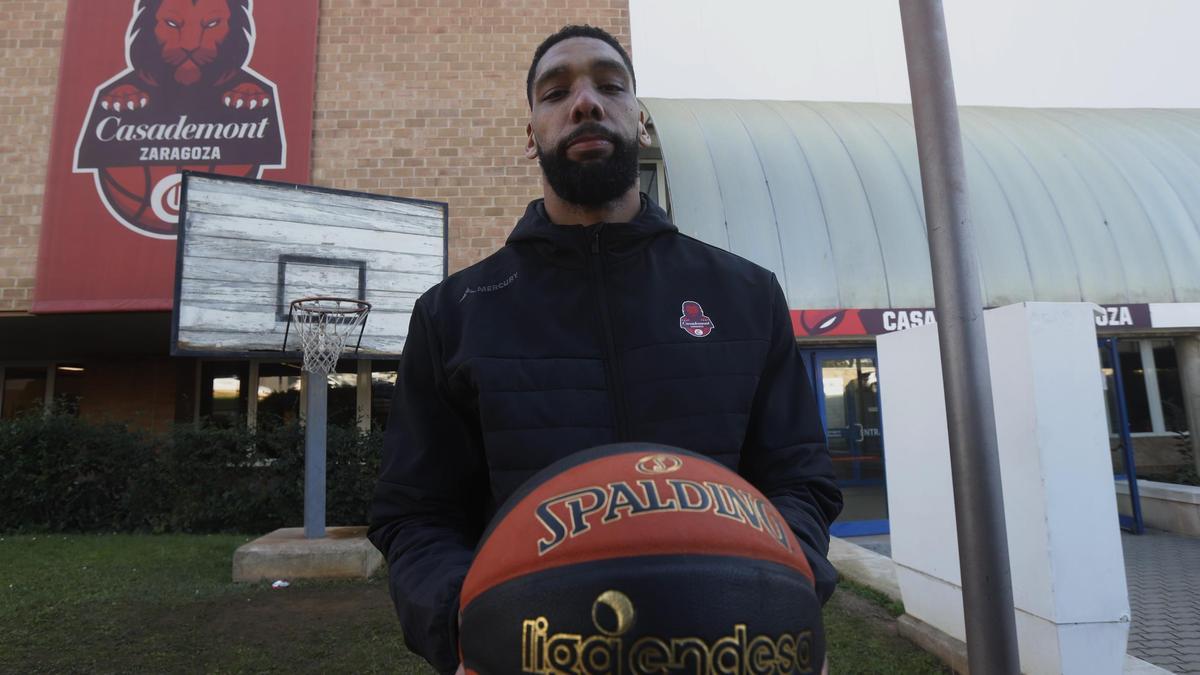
(247, 248)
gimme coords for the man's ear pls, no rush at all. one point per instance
(531, 150)
(644, 139)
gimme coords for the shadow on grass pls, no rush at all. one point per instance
(331, 627)
(133, 603)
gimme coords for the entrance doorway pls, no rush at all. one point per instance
(846, 383)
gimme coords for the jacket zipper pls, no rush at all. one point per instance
(612, 365)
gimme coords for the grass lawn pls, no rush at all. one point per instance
(140, 603)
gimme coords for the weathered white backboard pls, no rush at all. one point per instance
(247, 248)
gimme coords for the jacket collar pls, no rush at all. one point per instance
(535, 226)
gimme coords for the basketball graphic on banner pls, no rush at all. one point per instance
(187, 100)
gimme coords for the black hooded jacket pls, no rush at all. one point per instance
(571, 337)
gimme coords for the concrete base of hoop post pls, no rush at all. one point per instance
(316, 386)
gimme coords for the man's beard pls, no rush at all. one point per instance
(596, 182)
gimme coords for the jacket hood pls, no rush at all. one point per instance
(535, 226)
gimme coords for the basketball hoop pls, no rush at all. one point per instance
(324, 325)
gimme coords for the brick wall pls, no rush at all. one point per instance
(426, 99)
(419, 98)
(30, 35)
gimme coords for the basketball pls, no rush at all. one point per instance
(639, 558)
(147, 197)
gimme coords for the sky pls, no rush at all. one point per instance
(1029, 53)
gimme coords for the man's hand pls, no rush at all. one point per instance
(460, 670)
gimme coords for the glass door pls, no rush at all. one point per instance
(847, 388)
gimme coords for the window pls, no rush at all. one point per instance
(1153, 393)
(278, 393)
(30, 388)
(343, 394)
(383, 383)
(68, 388)
(1133, 377)
(649, 173)
(223, 391)
(1170, 391)
(24, 391)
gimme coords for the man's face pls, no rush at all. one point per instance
(586, 126)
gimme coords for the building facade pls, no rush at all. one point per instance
(425, 99)
(1068, 205)
(414, 98)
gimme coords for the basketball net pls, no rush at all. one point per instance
(324, 325)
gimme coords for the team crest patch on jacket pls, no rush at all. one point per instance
(694, 322)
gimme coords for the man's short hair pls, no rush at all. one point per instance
(573, 31)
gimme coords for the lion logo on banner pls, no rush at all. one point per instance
(187, 100)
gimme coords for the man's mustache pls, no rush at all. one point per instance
(590, 129)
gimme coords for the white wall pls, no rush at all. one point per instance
(1064, 543)
(1050, 53)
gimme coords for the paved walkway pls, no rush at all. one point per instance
(1163, 576)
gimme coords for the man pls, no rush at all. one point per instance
(596, 323)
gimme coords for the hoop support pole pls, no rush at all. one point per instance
(315, 434)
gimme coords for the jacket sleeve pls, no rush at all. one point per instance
(785, 453)
(427, 510)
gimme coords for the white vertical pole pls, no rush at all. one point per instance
(304, 396)
(1150, 375)
(48, 397)
(363, 393)
(252, 396)
(1187, 351)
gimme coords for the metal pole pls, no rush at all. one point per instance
(315, 394)
(974, 458)
(1135, 499)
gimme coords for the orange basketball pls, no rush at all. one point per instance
(134, 192)
(639, 558)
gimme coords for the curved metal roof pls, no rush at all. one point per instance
(1068, 205)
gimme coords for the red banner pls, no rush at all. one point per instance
(147, 89)
(861, 322)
